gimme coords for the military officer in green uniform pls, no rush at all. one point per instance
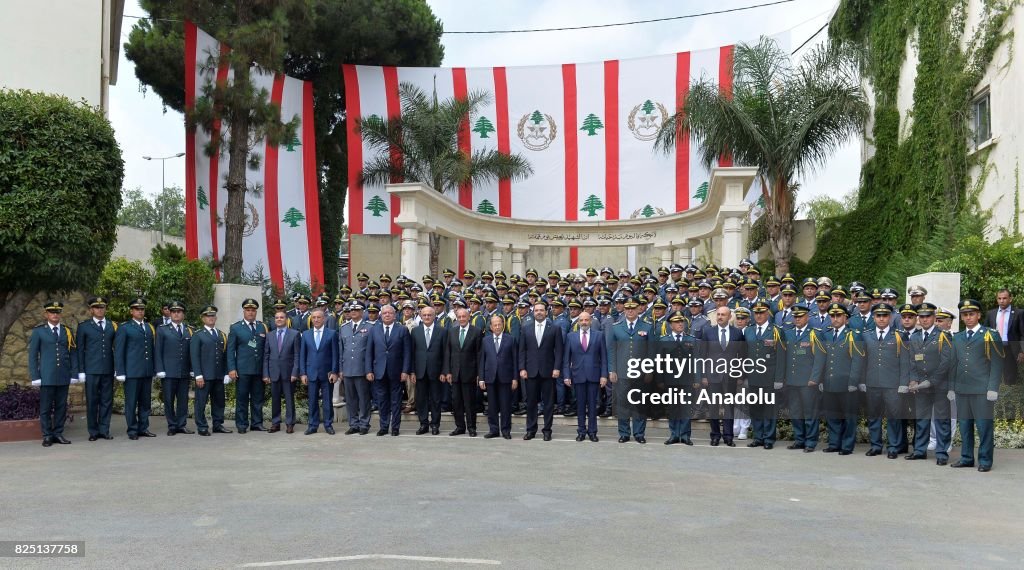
(764, 344)
(628, 339)
(975, 371)
(678, 344)
(53, 366)
(173, 368)
(209, 366)
(839, 386)
(803, 364)
(95, 338)
(134, 360)
(883, 374)
(246, 340)
(929, 382)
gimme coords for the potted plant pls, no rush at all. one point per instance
(19, 413)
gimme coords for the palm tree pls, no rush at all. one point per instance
(786, 120)
(425, 142)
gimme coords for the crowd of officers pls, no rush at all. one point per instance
(526, 345)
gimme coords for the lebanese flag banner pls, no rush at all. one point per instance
(587, 130)
(282, 215)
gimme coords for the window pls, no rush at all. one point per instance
(981, 109)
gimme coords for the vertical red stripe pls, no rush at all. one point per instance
(270, 195)
(611, 140)
(312, 189)
(571, 150)
(214, 181)
(394, 111)
(725, 84)
(501, 109)
(355, 151)
(683, 139)
(191, 211)
(462, 257)
(462, 93)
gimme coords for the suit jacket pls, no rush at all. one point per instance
(352, 348)
(52, 360)
(173, 357)
(297, 320)
(498, 366)
(582, 366)
(711, 347)
(1013, 324)
(208, 354)
(245, 349)
(540, 361)
(462, 362)
(281, 365)
(96, 347)
(134, 348)
(318, 363)
(392, 356)
(428, 360)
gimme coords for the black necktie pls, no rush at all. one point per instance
(631, 328)
(178, 328)
(252, 328)
(835, 334)
(880, 335)
(387, 333)
(679, 337)
(56, 333)
(970, 334)
(723, 339)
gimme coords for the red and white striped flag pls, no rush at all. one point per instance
(282, 225)
(586, 129)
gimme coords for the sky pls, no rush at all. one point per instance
(143, 128)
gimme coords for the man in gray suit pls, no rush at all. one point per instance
(354, 336)
(281, 370)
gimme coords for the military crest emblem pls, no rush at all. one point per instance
(537, 130)
(646, 119)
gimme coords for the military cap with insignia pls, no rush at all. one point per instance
(630, 303)
(889, 293)
(968, 305)
(137, 303)
(302, 299)
(676, 317)
(280, 304)
(55, 306)
(209, 311)
(800, 309)
(663, 271)
(838, 291)
(373, 308)
(448, 272)
(822, 296)
(926, 309)
(659, 304)
(788, 288)
(772, 281)
(97, 302)
(741, 312)
(250, 303)
(788, 278)
(856, 286)
(384, 277)
(176, 306)
(908, 309)
(695, 303)
(468, 274)
(362, 276)
(838, 309)
(883, 309)
(916, 291)
(943, 313)
(760, 307)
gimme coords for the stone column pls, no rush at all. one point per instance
(732, 241)
(666, 256)
(519, 259)
(684, 253)
(497, 255)
(422, 255)
(410, 251)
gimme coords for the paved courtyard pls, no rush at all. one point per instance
(437, 501)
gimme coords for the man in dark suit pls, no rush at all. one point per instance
(497, 372)
(540, 362)
(388, 363)
(134, 348)
(96, 367)
(281, 370)
(173, 368)
(428, 349)
(460, 369)
(318, 358)
(585, 365)
(721, 342)
(52, 365)
(209, 365)
(1008, 321)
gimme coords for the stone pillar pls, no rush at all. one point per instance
(684, 253)
(666, 256)
(228, 297)
(423, 254)
(519, 259)
(410, 251)
(497, 255)
(732, 241)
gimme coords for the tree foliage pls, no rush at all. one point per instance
(60, 189)
(785, 119)
(823, 208)
(144, 212)
(173, 277)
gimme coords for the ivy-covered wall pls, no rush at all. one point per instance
(916, 187)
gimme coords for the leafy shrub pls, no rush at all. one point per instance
(19, 402)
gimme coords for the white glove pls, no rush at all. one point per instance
(862, 387)
(903, 389)
(777, 385)
(924, 385)
(161, 375)
(120, 378)
(821, 387)
(81, 376)
(200, 377)
(991, 396)
(37, 382)
(227, 379)
(851, 388)
(951, 396)
(75, 380)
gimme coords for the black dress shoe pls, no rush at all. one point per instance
(984, 468)
(147, 433)
(960, 464)
(171, 432)
(593, 438)
(364, 431)
(329, 430)
(47, 442)
(186, 431)
(547, 436)
(714, 442)
(755, 443)
(472, 433)
(769, 446)
(624, 439)
(310, 431)
(605, 414)
(221, 429)
(873, 452)
(795, 446)
(641, 439)
(422, 430)
(830, 450)
(435, 431)
(133, 436)
(570, 413)
(506, 435)
(204, 433)
(457, 431)
(351, 431)
(107, 436)
(394, 432)
(382, 431)
(892, 455)
(808, 450)
(941, 461)
(686, 441)
(672, 440)
(529, 435)
(844, 452)
(580, 437)
(914, 456)
(256, 428)
(730, 443)
(93, 437)
(243, 430)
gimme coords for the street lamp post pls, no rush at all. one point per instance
(163, 183)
